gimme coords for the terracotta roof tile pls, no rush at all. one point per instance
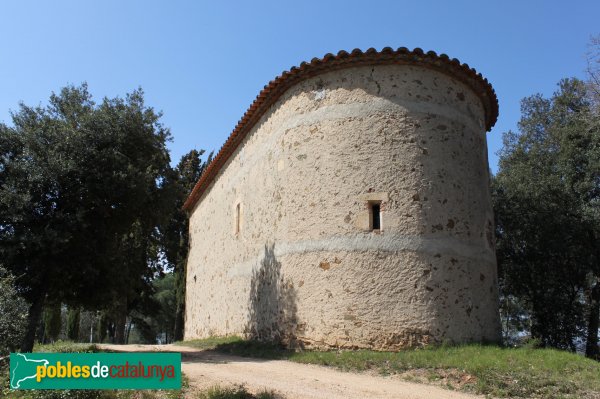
(271, 93)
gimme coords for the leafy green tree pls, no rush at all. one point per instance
(13, 314)
(176, 235)
(52, 321)
(81, 194)
(546, 199)
(158, 322)
(514, 318)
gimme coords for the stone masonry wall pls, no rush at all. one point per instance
(304, 266)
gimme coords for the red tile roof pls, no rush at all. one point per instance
(273, 91)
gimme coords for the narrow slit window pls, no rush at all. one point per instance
(376, 212)
(237, 218)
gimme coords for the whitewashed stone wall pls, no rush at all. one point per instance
(304, 266)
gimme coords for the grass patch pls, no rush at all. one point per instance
(66, 347)
(490, 370)
(88, 394)
(238, 392)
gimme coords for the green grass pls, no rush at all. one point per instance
(65, 346)
(490, 370)
(233, 393)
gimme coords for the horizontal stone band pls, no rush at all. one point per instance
(370, 242)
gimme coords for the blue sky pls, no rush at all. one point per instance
(203, 63)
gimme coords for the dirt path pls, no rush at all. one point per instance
(291, 380)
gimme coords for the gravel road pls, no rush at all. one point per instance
(288, 379)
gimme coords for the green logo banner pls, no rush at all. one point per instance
(95, 370)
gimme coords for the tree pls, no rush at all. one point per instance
(52, 321)
(81, 194)
(176, 234)
(593, 72)
(593, 208)
(157, 322)
(165, 297)
(13, 314)
(73, 319)
(546, 199)
(101, 327)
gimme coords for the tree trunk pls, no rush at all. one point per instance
(33, 318)
(120, 321)
(180, 311)
(179, 321)
(129, 327)
(591, 349)
(73, 321)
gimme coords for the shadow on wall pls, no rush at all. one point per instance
(272, 304)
